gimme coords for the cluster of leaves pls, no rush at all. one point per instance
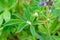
(27, 20)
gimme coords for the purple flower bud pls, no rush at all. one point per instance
(41, 3)
(50, 3)
(46, 3)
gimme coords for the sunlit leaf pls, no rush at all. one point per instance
(1, 20)
(12, 22)
(7, 4)
(19, 16)
(33, 32)
(54, 25)
(56, 37)
(6, 15)
(42, 29)
(21, 27)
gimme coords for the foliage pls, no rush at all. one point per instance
(29, 20)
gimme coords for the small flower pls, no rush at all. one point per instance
(48, 19)
(49, 10)
(41, 3)
(47, 0)
(35, 14)
(28, 22)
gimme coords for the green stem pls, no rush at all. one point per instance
(48, 31)
(47, 26)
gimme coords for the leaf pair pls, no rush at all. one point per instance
(6, 15)
(7, 4)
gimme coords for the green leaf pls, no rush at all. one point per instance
(1, 28)
(19, 16)
(2, 7)
(21, 27)
(6, 15)
(59, 33)
(26, 5)
(1, 20)
(42, 29)
(27, 13)
(56, 28)
(32, 18)
(7, 4)
(55, 10)
(54, 25)
(12, 3)
(3, 37)
(33, 32)
(56, 37)
(11, 22)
